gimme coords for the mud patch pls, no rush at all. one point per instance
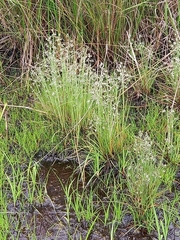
(49, 220)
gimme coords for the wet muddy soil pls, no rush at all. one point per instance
(49, 220)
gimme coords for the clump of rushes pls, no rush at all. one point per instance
(62, 85)
(87, 104)
(109, 121)
(144, 177)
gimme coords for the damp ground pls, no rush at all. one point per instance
(49, 220)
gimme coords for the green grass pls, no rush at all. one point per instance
(76, 107)
(168, 214)
(21, 133)
(5, 225)
(66, 101)
(143, 144)
(122, 113)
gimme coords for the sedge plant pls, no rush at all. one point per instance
(144, 178)
(61, 85)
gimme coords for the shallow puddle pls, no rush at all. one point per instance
(50, 217)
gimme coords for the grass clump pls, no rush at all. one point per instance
(61, 85)
(144, 178)
(81, 100)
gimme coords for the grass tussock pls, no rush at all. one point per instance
(81, 100)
